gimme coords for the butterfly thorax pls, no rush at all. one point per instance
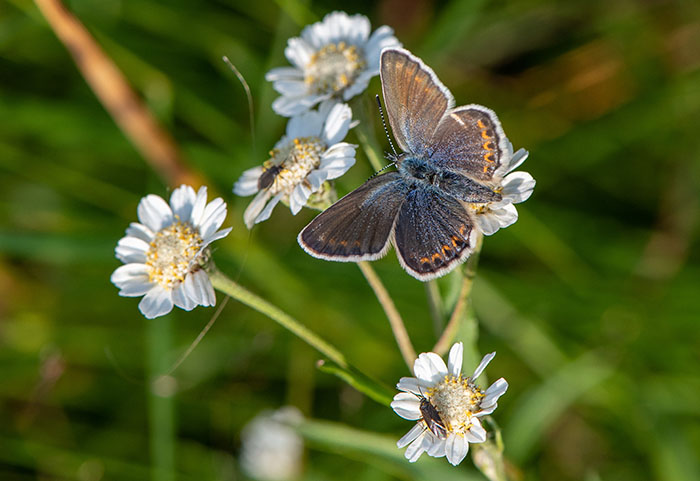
(419, 172)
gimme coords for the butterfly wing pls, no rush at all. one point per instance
(433, 234)
(358, 226)
(471, 141)
(414, 97)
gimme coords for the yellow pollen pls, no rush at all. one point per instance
(171, 253)
(457, 399)
(334, 67)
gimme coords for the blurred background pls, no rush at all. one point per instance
(590, 299)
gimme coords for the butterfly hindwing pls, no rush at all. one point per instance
(428, 245)
(470, 140)
(357, 227)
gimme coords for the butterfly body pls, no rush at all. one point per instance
(452, 157)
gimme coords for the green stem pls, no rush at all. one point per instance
(432, 291)
(397, 325)
(461, 313)
(241, 294)
(160, 400)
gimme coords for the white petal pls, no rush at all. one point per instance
(267, 211)
(337, 124)
(454, 360)
(437, 448)
(198, 287)
(298, 52)
(216, 236)
(156, 302)
(182, 201)
(488, 222)
(407, 406)
(482, 365)
(291, 88)
(131, 279)
(456, 448)
(476, 433)
(214, 215)
(290, 106)
(429, 368)
(382, 38)
(131, 249)
(517, 159)
(247, 183)
(410, 436)
(181, 299)
(359, 85)
(305, 125)
(495, 391)
(255, 207)
(154, 212)
(284, 73)
(200, 203)
(316, 178)
(410, 384)
(140, 231)
(418, 447)
(337, 160)
(298, 199)
(518, 187)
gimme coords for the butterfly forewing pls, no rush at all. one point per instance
(358, 226)
(428, 245)
(414, 97)
(469, 140)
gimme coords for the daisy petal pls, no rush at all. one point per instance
(429, 367)
(454, 360)
(407, 406)
(156, 303)
(456, 448)
(154, 212)
(410, 436)
(482, 365)
(182, 201)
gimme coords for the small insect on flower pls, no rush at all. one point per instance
(310, 154)
(164, 253)
(334, 58)
(446, 405)
(432, 418)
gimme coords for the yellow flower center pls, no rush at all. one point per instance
(171, 253)
(293, 163)
(333, 68)
(457, 399)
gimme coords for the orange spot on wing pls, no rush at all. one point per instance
(488, 157)
(485, 135)
(480, 124)
(424, 260)
(436, 256)
(488, 146)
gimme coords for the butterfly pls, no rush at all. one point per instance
(452, 157)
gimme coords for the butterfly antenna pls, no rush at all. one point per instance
(247, 94)
(386, 131)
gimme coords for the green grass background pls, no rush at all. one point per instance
(592, 299)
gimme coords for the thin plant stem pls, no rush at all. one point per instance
(397, 325)
(243, 295)
(460, 309)
(432, 291)
(161, 406)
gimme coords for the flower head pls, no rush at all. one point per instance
(307, 156)
(458, 403)
(163, 252)
(514, 187)
(271, 449)
(334, 58)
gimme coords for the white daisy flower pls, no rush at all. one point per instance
(334, 58)
(308, 155)
(271, 449)
(514, 188)
(446, 405)
(163, 252)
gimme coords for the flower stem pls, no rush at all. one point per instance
(432, 291)
(160, 401)
(397, 325)
(241, 294)
(460, 312)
